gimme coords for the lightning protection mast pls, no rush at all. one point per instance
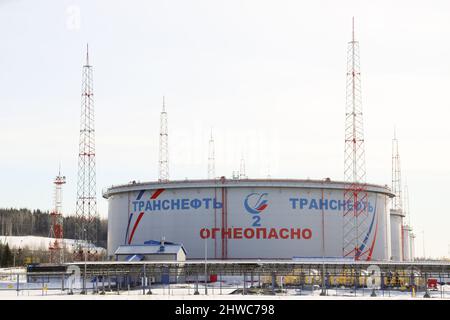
(397, 201)
(211, 159)
(163, 146)
(242, 174)
(355, 215)
(86, 207)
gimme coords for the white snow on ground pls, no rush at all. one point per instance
(38, 291)
(35, 243)
(216, 291)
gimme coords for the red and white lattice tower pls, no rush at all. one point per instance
(163, 163)
(355, 216)
(56, 247)
(86, 207)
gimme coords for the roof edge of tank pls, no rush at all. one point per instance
(199, 183)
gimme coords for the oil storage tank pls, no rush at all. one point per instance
(245, 218)
(406, 243)
(396, 218)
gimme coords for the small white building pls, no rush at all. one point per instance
(151, 251)
(154, 251)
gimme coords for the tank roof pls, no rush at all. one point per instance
(237, 183)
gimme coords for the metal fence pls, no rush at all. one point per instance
(180, 282)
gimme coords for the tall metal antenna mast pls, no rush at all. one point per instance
(86, 207)
(356, 219)
(408, 235)
(406, 209)
(397, 202)
(399, 232)
(242, 174)
(56, 248)
(211, 159)
(163, 146)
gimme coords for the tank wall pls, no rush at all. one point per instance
(406, 244)
(265, 222)
(388, 236)
(118, 207)
(396, 237)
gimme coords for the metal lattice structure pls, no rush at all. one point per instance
(56, 248)
(211, 159)
(397, 202)
(407, 213)
(86, 207)
(163, 146)
(406, 205)
(356, 219)
(242, 174)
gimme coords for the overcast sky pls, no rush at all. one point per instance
(268, 76)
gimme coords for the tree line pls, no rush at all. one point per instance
(6, 256)
(25, 222)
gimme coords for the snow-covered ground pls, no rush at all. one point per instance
(38, 243)
(186, 291)
(230, 288)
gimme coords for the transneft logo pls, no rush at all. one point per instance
(254, 203)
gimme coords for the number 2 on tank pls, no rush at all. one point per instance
(257, 221)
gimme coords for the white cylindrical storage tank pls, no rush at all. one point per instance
(406, 239)
(396, 217)
(245, 219)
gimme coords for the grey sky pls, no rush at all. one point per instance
(268, 76)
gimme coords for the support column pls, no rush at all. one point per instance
(196, 285)
(149, 281)
(427, 294)
(273, 282)
(144, 278)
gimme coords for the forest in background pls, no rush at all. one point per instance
(24, 222)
